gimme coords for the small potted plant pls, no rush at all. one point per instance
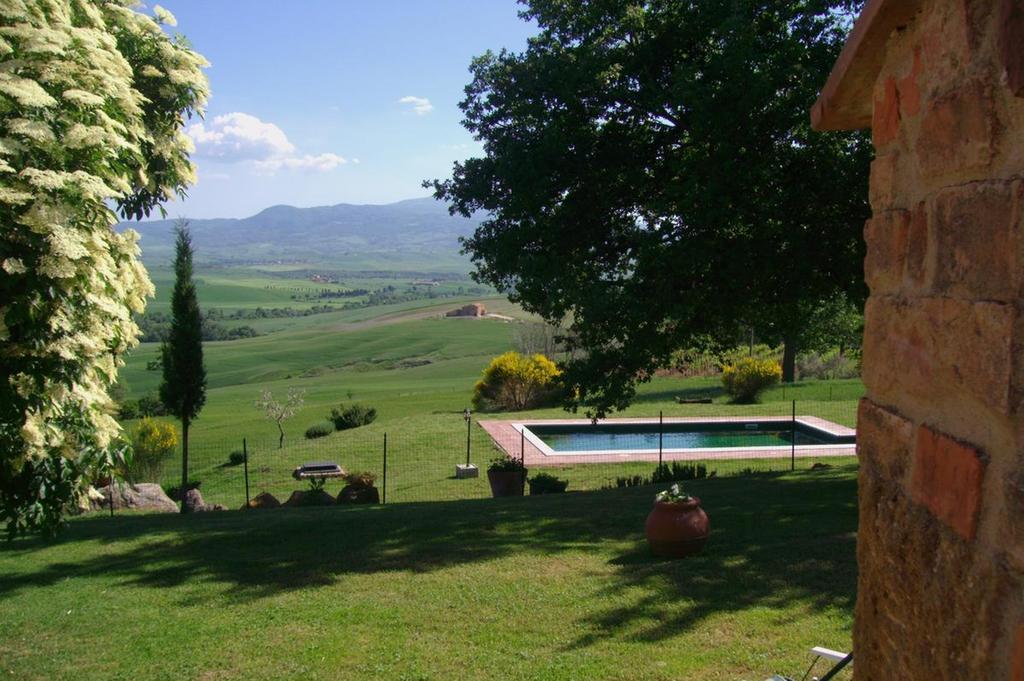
(677, 526)
(545, 483)
(507, 477)
(359, 489)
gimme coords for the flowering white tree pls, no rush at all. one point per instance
(93, 101)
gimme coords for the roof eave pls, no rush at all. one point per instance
(845, 102)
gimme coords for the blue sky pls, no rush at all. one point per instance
(331, 101)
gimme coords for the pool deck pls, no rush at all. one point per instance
(509, 437)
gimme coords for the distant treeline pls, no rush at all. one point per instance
(156, 325)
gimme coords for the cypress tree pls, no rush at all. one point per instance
(183, 389)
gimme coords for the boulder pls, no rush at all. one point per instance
(309, 498)
(194, 503)
(352, 494)
(263, 500)
(145, 496)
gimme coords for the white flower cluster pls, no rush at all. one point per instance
(93, 100)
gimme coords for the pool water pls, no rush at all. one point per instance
(708, 435)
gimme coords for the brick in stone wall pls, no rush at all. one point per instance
(884, 182)
(977, 242)
(928, 607)
(886, 235)
(926, 347)
(1017, 665)
(884, 440)
(957, 132)
(947, 479)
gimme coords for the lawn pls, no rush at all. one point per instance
(552, 587)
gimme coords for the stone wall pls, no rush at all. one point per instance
(941, 431)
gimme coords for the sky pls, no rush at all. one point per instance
(317, 102)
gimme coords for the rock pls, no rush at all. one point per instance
(145, 496)
(309, 498)
(263, 500)
(194, 503)
(351, 494)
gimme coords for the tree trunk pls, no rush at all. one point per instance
(280, 440)
(788, 361)
(184, 461)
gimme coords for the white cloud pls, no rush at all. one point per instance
(319, 163)
(421, 106)
(241, 137)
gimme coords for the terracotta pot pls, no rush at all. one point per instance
(677, 530)
(507, 483)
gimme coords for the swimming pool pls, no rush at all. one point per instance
(624, 438)
(638, 436)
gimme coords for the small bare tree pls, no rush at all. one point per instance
(278, 412)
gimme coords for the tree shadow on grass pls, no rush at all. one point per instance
(776, 540)
(791, 545)
(693, 393)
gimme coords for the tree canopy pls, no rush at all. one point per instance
(93, 101)
(650, 174)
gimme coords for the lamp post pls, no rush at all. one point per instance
(467, 470)
(468, 418)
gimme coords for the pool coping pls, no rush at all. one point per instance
(509, 437)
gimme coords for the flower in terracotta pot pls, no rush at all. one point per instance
(677, 526)
(507, 477)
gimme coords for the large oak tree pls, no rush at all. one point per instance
(650, 174)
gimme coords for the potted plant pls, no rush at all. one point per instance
(359, 489)
(507, 477)
(545, 483)
(677, 526)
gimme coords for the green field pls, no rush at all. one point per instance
(553, 587)
(417, 369)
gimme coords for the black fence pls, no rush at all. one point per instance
(421, 461)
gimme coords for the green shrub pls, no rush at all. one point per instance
(354, 416)
(545, 483)
(322, 429)
(128, 410)
(749, 377)
(236, 458)
(679, 471)
(827, 366)
(150, 405)
(174, 491)
(505, 464)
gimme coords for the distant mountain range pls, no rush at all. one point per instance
(417, 234)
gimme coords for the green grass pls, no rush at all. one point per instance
(553, 587)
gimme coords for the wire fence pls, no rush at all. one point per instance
(449, 459)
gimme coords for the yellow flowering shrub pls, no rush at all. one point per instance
(93, 101)
(513, 382)
(748, 377)
(152, 443)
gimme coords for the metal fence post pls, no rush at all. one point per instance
(384, 483)
(245, 465)
(792, 437)
(661, 434)
(469, 428)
